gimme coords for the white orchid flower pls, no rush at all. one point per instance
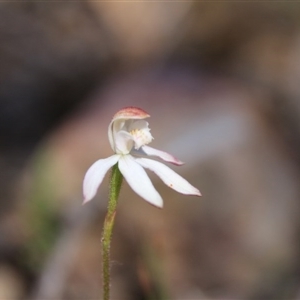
(129, 134)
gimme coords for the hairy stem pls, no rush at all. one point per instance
(114, 191)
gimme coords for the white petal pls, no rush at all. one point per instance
(95, 175)
(169, 177)
(138, 180)
(163, 155)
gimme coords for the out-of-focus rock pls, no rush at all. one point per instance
(144, 31)
(51, 57)
(11, 284)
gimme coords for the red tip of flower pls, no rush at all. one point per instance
(131, 112)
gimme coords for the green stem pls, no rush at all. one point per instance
(114, 191)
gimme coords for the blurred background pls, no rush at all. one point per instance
(221, 83)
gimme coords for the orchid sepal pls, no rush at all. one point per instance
(95, 174)
(139, 181)
(167, 157)
(169, 177)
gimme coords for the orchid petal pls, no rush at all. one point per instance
(138, 180)
(163, 155)
(95, 174)
(169, 177)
